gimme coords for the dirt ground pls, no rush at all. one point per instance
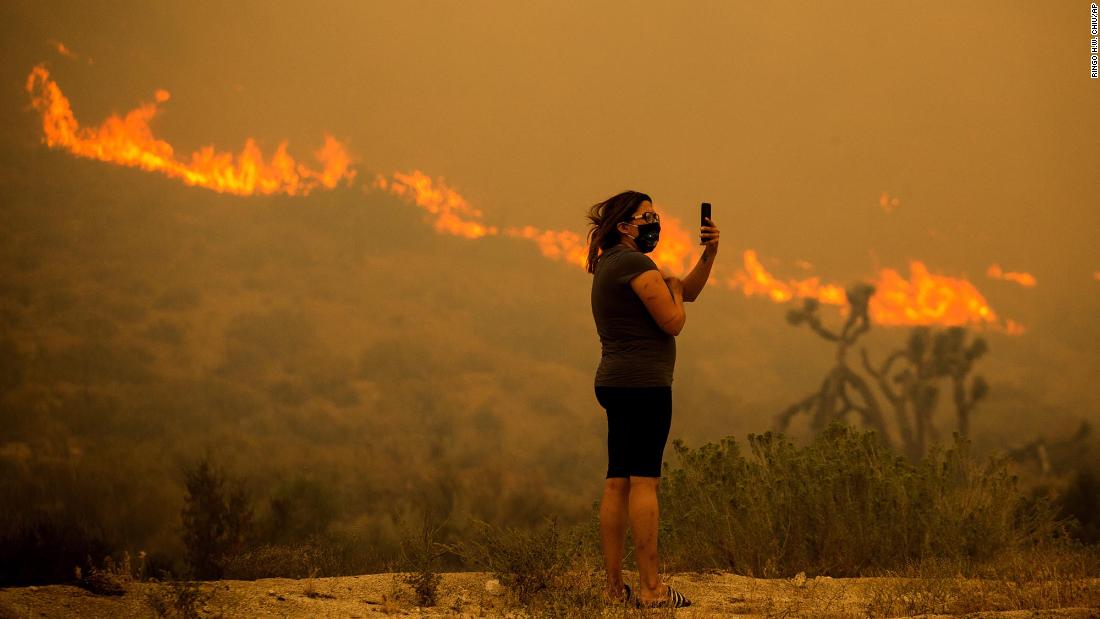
(476, 594)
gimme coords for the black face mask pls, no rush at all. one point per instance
(648, 235)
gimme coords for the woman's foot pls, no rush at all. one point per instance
(621, 595)
(671, 599)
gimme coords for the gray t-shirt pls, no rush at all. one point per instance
(636, 352)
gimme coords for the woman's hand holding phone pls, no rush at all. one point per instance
(708, 232)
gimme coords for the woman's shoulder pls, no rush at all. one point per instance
(608, 256)
(622, 265)
(631, 258)
(622, 253)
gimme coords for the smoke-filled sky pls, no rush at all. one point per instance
(974, 123)
(792, 118)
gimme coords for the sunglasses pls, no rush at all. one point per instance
(648, 217)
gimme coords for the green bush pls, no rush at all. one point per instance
(217, 518)
(843, 505)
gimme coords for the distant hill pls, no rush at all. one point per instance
(337, 336)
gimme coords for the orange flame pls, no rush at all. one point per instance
(129, 141)
(887, 202)
(555, 244)
(1024, 279)
(675, 251)
(671, 253)
(923, 299)
(926, 299)
(453, 214)
(755, 280)
(62, 49)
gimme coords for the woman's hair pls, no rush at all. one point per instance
(605, 217)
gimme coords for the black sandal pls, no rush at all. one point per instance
(675, 600)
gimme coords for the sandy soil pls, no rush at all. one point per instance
(474, 594)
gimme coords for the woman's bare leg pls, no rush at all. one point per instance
(643, 525)
(613, 511)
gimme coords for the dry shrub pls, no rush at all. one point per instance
(550, 571)
(843, 505)
(281, 561)
(420, 554)
(176, 598)
(1054, 575)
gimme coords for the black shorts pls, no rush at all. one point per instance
(638, 420)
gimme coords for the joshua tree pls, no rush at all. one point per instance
(911, 389)
(832, 400)
(928, 358)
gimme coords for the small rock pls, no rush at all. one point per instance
(32, 588)
(271, 592)
(799, 579)
(280, 598)
(492, 587)
(205, 609)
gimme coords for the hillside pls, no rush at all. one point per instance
(335, 351)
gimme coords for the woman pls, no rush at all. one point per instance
(638, 312)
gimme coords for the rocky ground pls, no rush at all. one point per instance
(474, 594)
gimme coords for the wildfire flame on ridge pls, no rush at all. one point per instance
(454, 215)
(922, 299)
(129, 141)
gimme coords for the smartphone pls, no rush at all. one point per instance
(704, 213)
